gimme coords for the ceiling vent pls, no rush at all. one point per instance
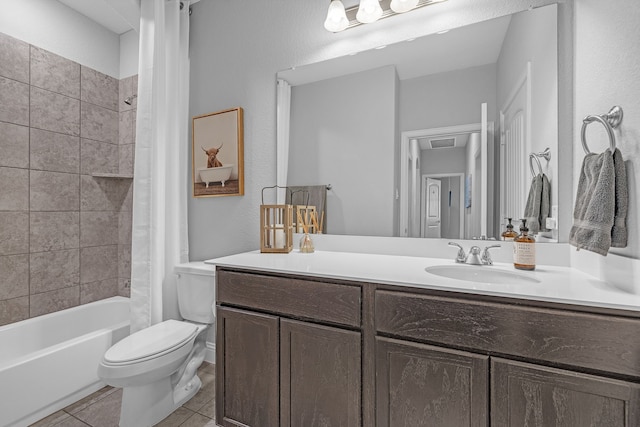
(443, 143)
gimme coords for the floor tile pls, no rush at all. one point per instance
(207, 368)
(103, 413)
(204, 395)
(89, 400)
(209, 409)
(198, 420)
(176, 419)
(52, 419)
(72, 422)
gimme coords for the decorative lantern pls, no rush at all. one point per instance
(276, 227)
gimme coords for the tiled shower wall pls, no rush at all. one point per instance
(65, 235)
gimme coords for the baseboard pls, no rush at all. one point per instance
(210, 355)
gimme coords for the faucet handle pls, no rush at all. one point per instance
(461, 257)
(486, 256)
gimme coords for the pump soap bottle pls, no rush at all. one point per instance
(509, 235)
(524, 249)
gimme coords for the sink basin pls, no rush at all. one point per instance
(484, 274)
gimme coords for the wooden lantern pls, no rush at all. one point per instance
(276, 228)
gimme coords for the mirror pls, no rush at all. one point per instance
(381, 126)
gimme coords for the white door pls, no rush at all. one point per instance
(432, 209)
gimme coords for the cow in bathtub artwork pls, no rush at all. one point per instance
(217, 154)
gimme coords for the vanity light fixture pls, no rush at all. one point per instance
(368, 11)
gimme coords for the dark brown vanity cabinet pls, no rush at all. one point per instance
(303, 352)
(288, 352)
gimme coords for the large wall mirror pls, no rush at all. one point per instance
(439, 126)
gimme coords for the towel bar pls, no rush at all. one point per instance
(546, 154)
(610, 121)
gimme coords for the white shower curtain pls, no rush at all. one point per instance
(283, 118)
(160, 184)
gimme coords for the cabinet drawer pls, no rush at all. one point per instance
(594, 341)
(300, 298)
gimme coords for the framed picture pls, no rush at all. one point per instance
(218, 156)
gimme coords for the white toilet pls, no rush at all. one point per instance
(157, 366)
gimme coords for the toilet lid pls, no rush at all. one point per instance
(154, 340)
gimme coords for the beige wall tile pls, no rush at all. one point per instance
(98, 157)
(14, 58)
(54, 112)
(14, 102)
(125, 219)
(125, 127)
(124, 261)
(14, 145)
(54, 270)
(99, 123)
(49, 302)
(49, 231)
(98, 263)
(99, 89)
(14, 233)
(54, 191)
(95, 291)
(55, 152)
(14, 189)
(14, 310)
(55, 73)
(127, 155)
(14, 271)
(124, 287)
(98, 228)
(103, 194)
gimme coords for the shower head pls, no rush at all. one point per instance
(130, 99)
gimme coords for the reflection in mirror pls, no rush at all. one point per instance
(353, 120)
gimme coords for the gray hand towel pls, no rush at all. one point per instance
(533, 208)
(545, 203)
(619, 229)
(593, 214)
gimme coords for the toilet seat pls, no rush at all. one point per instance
(150, 343)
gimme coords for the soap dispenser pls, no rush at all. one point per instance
(524, 249)
(509, 235)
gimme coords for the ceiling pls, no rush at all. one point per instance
(460, 48)
(118, 16)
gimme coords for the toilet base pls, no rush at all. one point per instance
(146, 405)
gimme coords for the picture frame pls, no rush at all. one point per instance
(218, 154)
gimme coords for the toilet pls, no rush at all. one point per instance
(157, 366)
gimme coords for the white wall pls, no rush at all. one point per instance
(342, 134)
(607, 73)
(57, 28)
(238, 47)
(129, 53)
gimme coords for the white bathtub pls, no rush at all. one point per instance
(219, 174)
(51, 361)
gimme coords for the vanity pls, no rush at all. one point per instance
(353, 339)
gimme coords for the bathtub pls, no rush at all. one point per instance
(51, 361)
(221, 174)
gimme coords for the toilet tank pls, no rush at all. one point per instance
(196, 287)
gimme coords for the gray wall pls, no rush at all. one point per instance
(447, 99)
(61, 243)
(342, 134)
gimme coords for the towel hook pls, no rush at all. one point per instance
(610, 121)
(546, 154)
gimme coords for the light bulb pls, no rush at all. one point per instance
(336, 17)
(369, 11)
(400, 6)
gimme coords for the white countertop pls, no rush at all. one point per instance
(556, 284)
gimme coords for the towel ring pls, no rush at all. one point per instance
(546, 154)
(610, 121)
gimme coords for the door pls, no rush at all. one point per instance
(432, 208)
(247, 386)
(523, 394)
(320, 375)
(420, 385)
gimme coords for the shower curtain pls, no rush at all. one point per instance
(160, 185)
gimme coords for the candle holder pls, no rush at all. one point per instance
(276, 226)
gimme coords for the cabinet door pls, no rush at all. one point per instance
(523, 394)
(422, 385)
(246, 369)
(320, 376)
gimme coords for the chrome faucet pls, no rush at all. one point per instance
(474, 257)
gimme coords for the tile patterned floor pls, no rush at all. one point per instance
(102, 408)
